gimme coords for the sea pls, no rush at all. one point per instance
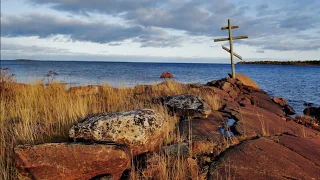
(297, 84)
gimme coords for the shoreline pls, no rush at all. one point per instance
(150, 124)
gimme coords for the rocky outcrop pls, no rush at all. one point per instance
(166, 75)
(187, 105)
(71, 161)
(263, 158)
(248, 136)
(139, 130)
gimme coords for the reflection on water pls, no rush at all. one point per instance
(226, 130)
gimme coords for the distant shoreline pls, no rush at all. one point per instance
(297, 63)
(25, 60)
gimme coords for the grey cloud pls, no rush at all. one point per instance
(76, 30)
(198, 17)
(283, 44)
(114, 44)
(12, 49)
(45, 26)
(299, 22)
(98, 6)
(260, 51)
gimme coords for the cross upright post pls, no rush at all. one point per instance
(230, 38)
(231, 49)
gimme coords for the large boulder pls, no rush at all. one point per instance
(140, 130)
(266, 159)
(187, 105)
(70, 161)
(247, 81)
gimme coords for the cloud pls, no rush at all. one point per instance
(260, 51)
(283, 45)
(16, 49)
(98, 6)
(45, 26)
(273, 25)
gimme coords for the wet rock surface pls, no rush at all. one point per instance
(71, 161)
(187, 105)
(139, 130)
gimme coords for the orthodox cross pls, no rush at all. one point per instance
(230, 38)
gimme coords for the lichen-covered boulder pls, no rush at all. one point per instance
(187, 105)
(140, 130)
(71, 161)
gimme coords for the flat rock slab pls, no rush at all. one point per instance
(263, 159)
(140, 130)
(309, 148)
(187, 105)
(70, 161)
(255, 121)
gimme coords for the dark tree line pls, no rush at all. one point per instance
(306, 63)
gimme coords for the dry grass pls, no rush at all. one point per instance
(37, 113)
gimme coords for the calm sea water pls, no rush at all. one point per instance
(298, 84)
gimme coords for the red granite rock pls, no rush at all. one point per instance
(70, 161)
(264, 159)
(166, 75)
(281, 101)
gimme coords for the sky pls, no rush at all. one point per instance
(159, 30)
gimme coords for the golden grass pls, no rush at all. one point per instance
(37, 113)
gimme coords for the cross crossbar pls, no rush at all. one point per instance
(233, 38)
(232, 27)
(228, 50)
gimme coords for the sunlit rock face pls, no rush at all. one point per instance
(139, 130)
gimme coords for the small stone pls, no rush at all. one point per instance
(281, 101)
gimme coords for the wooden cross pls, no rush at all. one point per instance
(230, 38)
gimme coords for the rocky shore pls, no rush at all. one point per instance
(250, 136)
